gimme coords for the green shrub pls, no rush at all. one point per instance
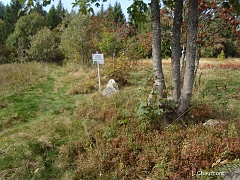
(7, 54)
(221, 56)
(119, 69)
(43, 46)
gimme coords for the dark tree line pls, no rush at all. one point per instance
(211, 43)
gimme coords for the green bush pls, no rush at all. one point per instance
(43, 46)
(7, 54)
(111, 44)
(119, 69)
(221, 56)
(76, 39)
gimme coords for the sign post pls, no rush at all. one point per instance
(99, 59)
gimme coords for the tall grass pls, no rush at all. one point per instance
(16, 77)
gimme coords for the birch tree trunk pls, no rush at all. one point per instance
(176, 50)
(189, 76)
(159, 82)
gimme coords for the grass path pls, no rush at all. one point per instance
(38, 100)
(31, 116)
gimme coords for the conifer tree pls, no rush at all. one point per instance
(55, 15)
(11, 16)
(2, 9)
(39, 9)
(115, 13)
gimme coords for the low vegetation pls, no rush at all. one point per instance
(54, 124)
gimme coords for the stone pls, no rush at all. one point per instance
(211, 122)
(231, 172)
(111, 88)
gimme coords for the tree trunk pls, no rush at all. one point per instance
(176, 50)
(190, 57)
(159, 82)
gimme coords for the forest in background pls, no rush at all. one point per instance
(62, 36)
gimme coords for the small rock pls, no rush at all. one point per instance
(111, 88)
(211, 122)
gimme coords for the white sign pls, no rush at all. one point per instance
(98, 58)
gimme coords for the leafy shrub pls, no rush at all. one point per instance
(110, 44)
(7, 54)
(76, 39)
(25, 27)
(221, 56)
(43, 46)
(156, 112)
(132, 50)
(119, 69)
(201, 112)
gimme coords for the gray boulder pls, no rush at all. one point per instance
(111, 88)
(231, 171)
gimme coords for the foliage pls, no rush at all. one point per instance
(11, 16)
(55, 15)
(52, 19)
(149, 114)
(119, 69)
(166, 16)
(110, 44)
(114, 37)
(38, 8)
(133, 48)
(115, 13)
(26, 26)
(213, 40)
(145, 48)
(2, 31)
(2, 9)
(7, 54)
(43, 46)
(153, 113)
(76, 42)
(221, 56)
(109, 27)
(137, 13)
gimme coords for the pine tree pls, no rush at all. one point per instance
(2, 9)
(2, 30)
(115, 13)
(61, 12)
(39, 9)
(55, 15)
(50, 18)
(11, 16)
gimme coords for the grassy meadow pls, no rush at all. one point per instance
(55, 124)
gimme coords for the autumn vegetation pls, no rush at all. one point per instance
(55, 124)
